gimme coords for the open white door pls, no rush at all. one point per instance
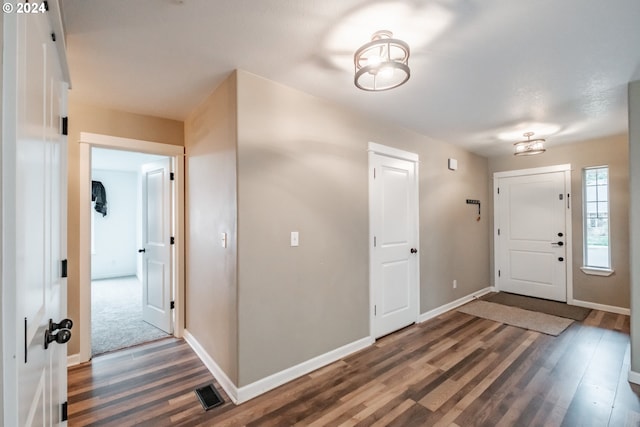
(34, 224)
(532, 234)
(394, 229)
(156, 241)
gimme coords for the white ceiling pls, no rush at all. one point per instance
(483, 71)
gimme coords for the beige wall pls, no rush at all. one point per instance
(211, 284)
(611, 151)
(88, 118)
(302, 166)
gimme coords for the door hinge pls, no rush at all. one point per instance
(375, 310)
(63, 268)
(173, 305)
(64, 416)
(568, 203)
(172, 177)
(498, 231)
(374, 241)
(172, 240)
(498, 273)
(374, 173)
(498, 190)
(53, 37)
(65, 125)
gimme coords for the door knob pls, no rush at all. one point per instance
(64, 324)
(560, 234)
(414, 251)
(560, 259)
(142, 250)
(61, 337)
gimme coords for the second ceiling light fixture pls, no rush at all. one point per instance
(529, 146)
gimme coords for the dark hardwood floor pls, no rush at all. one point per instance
(455, 370)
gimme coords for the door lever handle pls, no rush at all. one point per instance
(414, 251)
(558, 243)
(61, 337)
(142, 250)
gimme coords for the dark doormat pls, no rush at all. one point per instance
(540, 305)
(209, 397)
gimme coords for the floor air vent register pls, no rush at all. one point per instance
(209, 397)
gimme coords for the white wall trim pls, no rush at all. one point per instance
(272, 381)
(222, 378)
(568, 218)
(392, 152)
(533, 171)
(84, 254)
(454, 304)
(87, 142)
(601, 307)
(179, 260)
(248, 392)
(594, 271)
(634, 377)
(73, 359)
(128, 144)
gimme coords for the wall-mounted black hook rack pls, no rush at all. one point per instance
(474, 202)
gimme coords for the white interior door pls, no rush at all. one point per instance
(156, 241)
(57, 222)
(394, 227)
(532, 242)
(33, 201)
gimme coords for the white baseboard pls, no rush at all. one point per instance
(248, 392)
(272, 381)
(73, 359)
(601, 307)
(634, 377)
(222, 378)
(454, 304)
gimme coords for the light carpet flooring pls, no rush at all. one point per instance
(116, 315)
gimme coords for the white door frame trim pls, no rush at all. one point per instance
(87, 142)
(566, 168)
(373, 149)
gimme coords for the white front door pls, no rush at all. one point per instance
(34, 223)
(156, 241)
(532, 240)
(394, 229)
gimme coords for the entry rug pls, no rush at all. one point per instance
(540, 305)
(540, 322)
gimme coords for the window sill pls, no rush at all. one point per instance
(593, 271)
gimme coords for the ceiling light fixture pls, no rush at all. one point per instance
(381, 64)
(529, 147)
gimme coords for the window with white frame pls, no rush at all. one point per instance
(597, 249)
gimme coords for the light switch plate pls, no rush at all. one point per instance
(295, 239)
(453, 164)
